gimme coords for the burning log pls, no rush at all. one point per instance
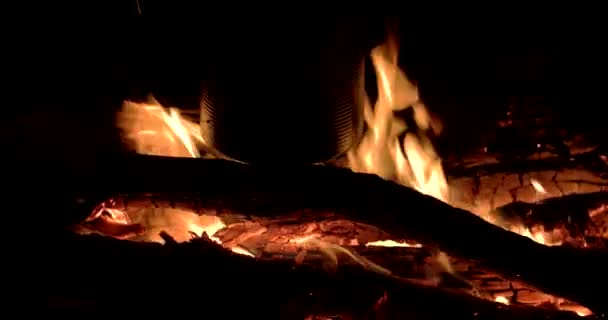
(563, 198)
(321, 240)
(572, 212)
(486, 164)
(421, 265)
(272, 192)
(113, 277)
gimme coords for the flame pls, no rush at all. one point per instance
(154, 130)
(331, 251)
(210, 227)
(413, 161)
(541, 236)
(390, 148)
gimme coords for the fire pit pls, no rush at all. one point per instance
(389, 231)
(495, 239)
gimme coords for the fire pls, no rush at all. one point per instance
(390, 148)
(331, 251)
(413, 161)
(154, 130)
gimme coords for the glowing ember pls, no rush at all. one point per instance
(242, 251)
(392, 243)
(583, 313)
(113, 214)
(331, 251)
(501, 299)
(538, 186)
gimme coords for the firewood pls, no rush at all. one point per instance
(228, 187)
(571, 211)
(104, 276)
(494, 185)
(419, 265)
(301, 239)
(484, 163)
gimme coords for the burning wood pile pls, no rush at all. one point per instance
(388, 237)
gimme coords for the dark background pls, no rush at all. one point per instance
(469, 67)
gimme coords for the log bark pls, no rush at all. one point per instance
(110, 277)
(280, 239)
(493, 185)
(421, 266)
(571, 211)
(482, 163)
(577, 275)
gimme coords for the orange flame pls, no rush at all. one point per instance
(154, 130)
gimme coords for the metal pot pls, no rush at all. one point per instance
(285, 90)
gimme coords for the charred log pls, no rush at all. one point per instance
(420, 265)
(271, 192)
(320, 238)
(114, 277)
(572, 212)
(483, 163)
(565, 198)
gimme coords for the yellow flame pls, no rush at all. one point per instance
(413, 161)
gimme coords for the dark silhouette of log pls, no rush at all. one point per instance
(102, 277)
(578, 275)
